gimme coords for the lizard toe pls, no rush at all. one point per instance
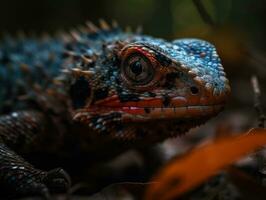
(57, 180)
(34, 188)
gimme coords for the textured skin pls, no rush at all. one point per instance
(77, 92)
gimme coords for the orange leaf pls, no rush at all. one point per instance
(198, 165)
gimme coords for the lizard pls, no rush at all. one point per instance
(96, 85)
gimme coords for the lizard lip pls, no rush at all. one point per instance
(154, 108)
(143, 114)
(148, 109)
(147, 113)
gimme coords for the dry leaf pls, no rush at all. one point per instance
(198, 165)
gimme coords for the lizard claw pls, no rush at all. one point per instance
(57, 180)
(42, 190)
(34, 189)
(41, 183)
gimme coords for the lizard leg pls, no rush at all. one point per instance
(18, 176)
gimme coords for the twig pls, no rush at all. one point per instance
(257, 101)
(206, 17)
(261, 121)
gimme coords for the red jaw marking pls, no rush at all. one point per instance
(114, 102)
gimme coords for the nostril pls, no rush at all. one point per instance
(194, 90)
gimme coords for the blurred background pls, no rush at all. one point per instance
(236, 27)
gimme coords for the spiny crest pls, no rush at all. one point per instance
(24, 36)
(77, 72)
(90, 29)
(84, 62)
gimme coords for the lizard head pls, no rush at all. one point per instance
(143, 86)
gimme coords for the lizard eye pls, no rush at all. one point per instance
(138, 70)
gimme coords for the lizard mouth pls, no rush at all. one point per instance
(155, 108)
(184, 112)
(146, 116)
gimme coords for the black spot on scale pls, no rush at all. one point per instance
(166, 100)
(94, 36)
(163, 59)
(4, 58)
(128, 97)
(69, 46)
(80, 91)
(173, 75)
(101, 93)
(151, 94)
(147, 110)
(119, 127)
(170, 79)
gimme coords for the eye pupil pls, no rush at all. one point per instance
(136, 68)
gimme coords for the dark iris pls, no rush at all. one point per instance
(136, 68)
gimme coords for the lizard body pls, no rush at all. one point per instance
(95, 86)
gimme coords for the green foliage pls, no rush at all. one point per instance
(222, 10)
(131, 11)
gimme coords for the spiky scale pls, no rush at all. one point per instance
(91, 27)
(104, 25)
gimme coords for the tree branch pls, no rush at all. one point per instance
(206, 17)
(257, 101)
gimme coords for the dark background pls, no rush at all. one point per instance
(166, 18)
(238, 32)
